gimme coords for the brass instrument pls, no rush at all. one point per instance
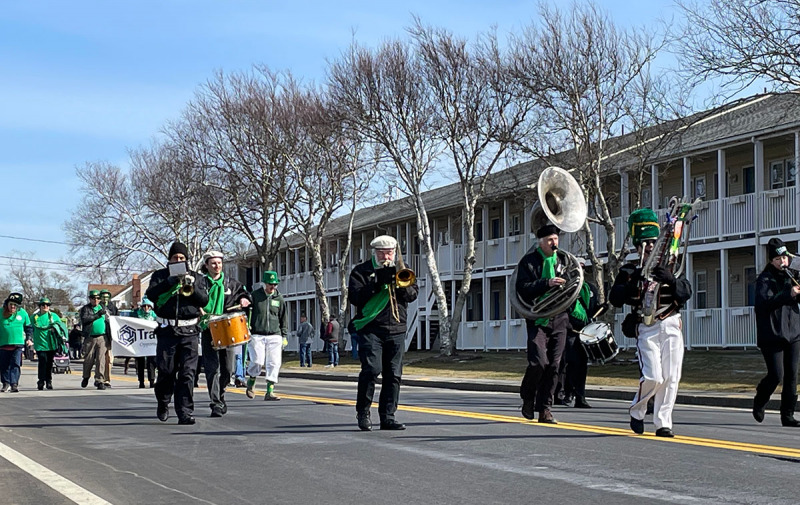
(187, 285)
(561, 201)
(403, 278)
(667, 253)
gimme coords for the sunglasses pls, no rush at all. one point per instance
(94, 297)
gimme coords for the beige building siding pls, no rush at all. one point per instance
(670, 183)
(740, 262)
(707, 262)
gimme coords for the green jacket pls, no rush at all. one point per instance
(269, 314)
(150, 316)
(12, 329)
(45, 333)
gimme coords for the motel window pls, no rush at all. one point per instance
(701, 289)
(495, 305)
(749, 176)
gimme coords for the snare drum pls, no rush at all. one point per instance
(228, 330)
(599, 343)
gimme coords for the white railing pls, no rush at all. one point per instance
(777, 209)
(737, 214)
(495, 253)
(471, 336)
(444, 260)
(741, 322)
(515, 249)
(496, 337)
(706, 225)
(704, 328)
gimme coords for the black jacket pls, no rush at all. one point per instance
(363, 285)
(530, 285)
(576, 324)
(234, 291)
(88, 316)
(777, 312)
(186, 307)
(627, 289)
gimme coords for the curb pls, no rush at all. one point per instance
(734, 400)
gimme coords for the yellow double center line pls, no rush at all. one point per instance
(771, 450)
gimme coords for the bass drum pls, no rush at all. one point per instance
(599, 343)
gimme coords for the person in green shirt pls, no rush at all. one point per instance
(13, 326)
(46, 341)
(93, 322)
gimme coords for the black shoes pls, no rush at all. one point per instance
(529, 409)
(14, 388)
(581, 403)
(40, 385)
(216, 411)
(85, 382)
(665, 432)
(142, 386)
(187, 420)
(391, 424)
(789, 421)
(637, 425)
(101, 386)
(162, 413)
(364, 422)
(48, 385)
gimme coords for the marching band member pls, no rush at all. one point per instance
(660, 346)
(269, 330)
(778, 332)
(223, 294)
(93, 321)
(381, 326)
(538, 271)
(179, 300)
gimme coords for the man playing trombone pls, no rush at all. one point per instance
(539, 273)
(381, 302)
(778, 330)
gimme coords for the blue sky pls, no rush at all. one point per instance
(87, 80)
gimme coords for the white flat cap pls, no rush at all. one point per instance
(383, 242)
(212, 254)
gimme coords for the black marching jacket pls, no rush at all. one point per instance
(777, 312)
(530, 285)
(363, 285)
(627, 289)
(233, 291)
(185, 307)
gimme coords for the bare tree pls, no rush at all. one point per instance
(740, 42)
(35, 281)
(582, 71)
(382, 97)
(481, 117)
(231, 131)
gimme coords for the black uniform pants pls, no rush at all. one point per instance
(176, 360)
(782, 363)
(45, 365)
(545, 347)
(146, 362)
(380, 355)
(573, 369)
(219, 366)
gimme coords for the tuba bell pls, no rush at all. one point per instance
(561, 201)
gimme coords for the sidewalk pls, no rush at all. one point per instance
(706, 398)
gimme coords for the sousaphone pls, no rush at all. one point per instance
(561, 201)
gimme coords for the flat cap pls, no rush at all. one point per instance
(383, 242)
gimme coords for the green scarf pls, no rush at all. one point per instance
(374, 306)
(168, 294)
(216, 300)
(581, 304)
(548, 272)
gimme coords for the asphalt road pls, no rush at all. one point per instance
(461, 447)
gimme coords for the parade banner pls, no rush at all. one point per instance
(131, 336)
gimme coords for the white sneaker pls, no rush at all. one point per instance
(329, 366)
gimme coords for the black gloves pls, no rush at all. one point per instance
(663, 275)
(385, 275)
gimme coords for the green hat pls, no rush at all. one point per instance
(44, 301)
(146, 301)
(93, 293)
(643, 225)
(270, 277)
(105, 292)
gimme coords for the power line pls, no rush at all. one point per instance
(36, 240)
(73, 265)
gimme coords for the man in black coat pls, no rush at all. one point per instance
(538, 272)
(778, 332)
(381, 325)
(178, 302)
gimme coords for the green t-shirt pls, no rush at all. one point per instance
(12, 328)
(99, 324)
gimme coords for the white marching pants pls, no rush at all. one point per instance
(265, 351)
(660, 358)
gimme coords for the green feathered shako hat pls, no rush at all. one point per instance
(643, 225)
